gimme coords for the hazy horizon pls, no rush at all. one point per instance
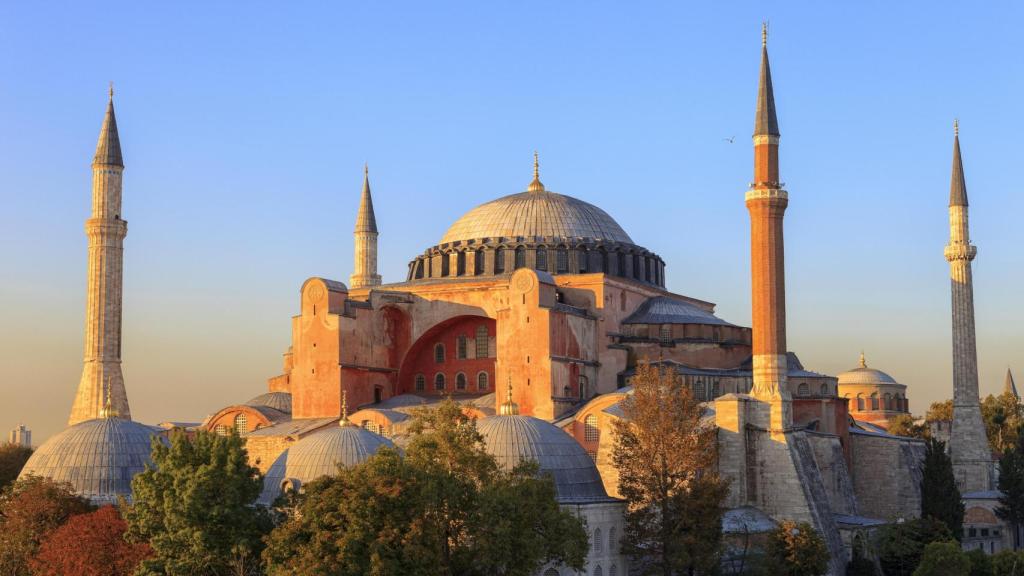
(244, 134)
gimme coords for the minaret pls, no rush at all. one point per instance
(365, 236)
(968, 445)
(766, 201)
(101, 374)
(1009, 387)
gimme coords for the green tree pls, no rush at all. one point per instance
(12, 460)
(940, 498)
(943, 559)
(1011, 485)
(981, 563)
(795, 549)
(906, 425)
(901, 545)
(940, 412)
(195, 507)
(1003, 417)
(666, 457)
(29, 509)
(1008, 563)
(445, 508)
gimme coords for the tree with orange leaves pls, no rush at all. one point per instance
(90, 544)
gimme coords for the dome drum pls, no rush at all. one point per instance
(503, 255)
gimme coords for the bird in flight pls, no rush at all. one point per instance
(729, 140)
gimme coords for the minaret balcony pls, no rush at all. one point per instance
(955, 252)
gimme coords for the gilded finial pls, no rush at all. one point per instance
(764, 34)
(344, 408)
(110, 91)
(108, 410)
(956, 127)
(863, 362)
(508, 407)
(366, 168)
(536, 185)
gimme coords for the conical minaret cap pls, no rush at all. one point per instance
(1009, 385)
(957, 186)
(108, 148)
(765, 123)
(366, 221)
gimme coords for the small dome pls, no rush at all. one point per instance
(512, 439)
(864, 375)
(281, 401)
(320, 454)
(537, 213)
(97, 457)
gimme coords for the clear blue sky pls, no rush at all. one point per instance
(245, 127)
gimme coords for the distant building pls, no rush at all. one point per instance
(21, 436)
(873, 396)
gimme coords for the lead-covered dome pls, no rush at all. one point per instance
(864, 375)
(320, 454)
(538, 214)
(512, 439)
(97, 457)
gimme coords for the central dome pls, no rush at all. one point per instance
(536, 214)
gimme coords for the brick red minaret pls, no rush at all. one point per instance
(767, 201)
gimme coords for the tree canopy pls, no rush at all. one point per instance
(940, 498)
(29, 509)
(795, 549)
(12, 460)
(943, 559)
(1011, 484)
(195, 507)
(1003, 417)
(666, 457)
(89, 544)
(901, 545)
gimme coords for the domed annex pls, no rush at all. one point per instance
(872, 395)
(98, 457)
(280, 401)
(320, 454)
(541, 230)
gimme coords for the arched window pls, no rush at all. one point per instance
(419, 269)
(445, 265)
(460, 263)
(551, 572)
(874, 400)
(478, 262)
(598, 571)
(241, 423)
(439, 381)
(371, 426)
(221, 430)
(481, 381)
(860, 403)
(562, 261)
(622, 264)
(888, 401)
(613, 571)
(542, 259)
(598, 544)
(604, 261)
(647, 269)
(583, 383)
(613, 544)
(499, 260)
(666, 331)
(421, 382)
(460, 381)
(520, 257)
(622, 301)
(439, 353)
(803, 389)
(460, 347)
(583, 259)
(481, 341)
(591, 433)
(716, 389)
(824, 390)
(636, 266)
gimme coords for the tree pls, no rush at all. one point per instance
(1011, 485)
(940, 411)
(1002, 416)
(981, 563)
(446, 508)
(795, 549)
(29, 508)
(906, 425)
(1008, 563)
(195, 507)
(89, 544)
(12, 460)
(940, 498)
(901, 545)
(666, 457)
(943, 559)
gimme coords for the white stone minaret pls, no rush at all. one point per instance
(968, 444)
(101, 374)
(364, 272)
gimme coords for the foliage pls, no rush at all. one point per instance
(981, 563)
(860, 566)
(666, 458)
(1002, 415)
(446, 508)
(940, 498)
(12, 460)
(90, 544)
(1008, 563)
(795, 549)
(195, 507)
(943, 559)
(901, 545)
(29, 508)
(1011, 484)
(940, 411)
(906, 425)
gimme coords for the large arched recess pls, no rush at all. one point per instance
(422, 358)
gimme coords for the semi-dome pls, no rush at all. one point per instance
(512, 439)
(281, 401)
(536, 214)
(320, 454)
(97, 457)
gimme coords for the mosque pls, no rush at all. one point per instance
(533, 311)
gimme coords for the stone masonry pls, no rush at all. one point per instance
(365, 236)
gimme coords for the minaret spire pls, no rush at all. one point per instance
(766, 201)
(1009, 385)
(365, 236)
(102, 381)
(968, 445)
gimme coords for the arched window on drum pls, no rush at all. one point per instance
(241, 423)
(591, 433)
